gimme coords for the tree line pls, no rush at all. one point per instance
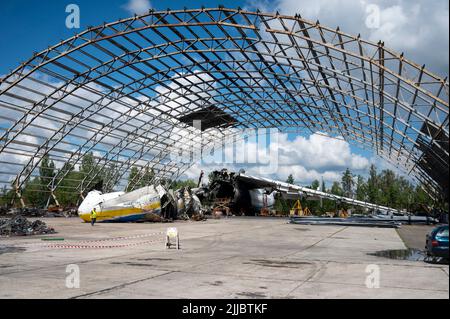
(384, 188)
(69, 182)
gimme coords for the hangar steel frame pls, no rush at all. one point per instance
(126, 92)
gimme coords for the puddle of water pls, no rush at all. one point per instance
(401, 254)
(410, 254)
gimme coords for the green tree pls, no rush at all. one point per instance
(327, 204)
(373, 191)
(91, 171)
(36, 191)
(46, 170)
(138, 179)
(88, 163)
(65, 192)
(34, 194)
(361, 188)
(336, 189)
(6, 196)
(421, 197)
(282, 205)
(315, 184)
(110, 174)
(147, 177)
(314, 205)
(132, 179)
(323, 188)
(389, 188)
(186, 183)
(290, 179)
(347, 183)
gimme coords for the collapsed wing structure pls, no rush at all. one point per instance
(295, 191)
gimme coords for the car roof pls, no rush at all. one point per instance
(438, 228)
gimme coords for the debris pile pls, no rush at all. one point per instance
(189, 205)
(38, 212)
(29, 212)
(20, 226)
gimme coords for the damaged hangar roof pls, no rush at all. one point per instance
(128, 91)
(210, 116)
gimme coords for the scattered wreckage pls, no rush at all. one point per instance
(227, 193)
(18, 225)
(149, 203)
(51, 211)
(251, 195)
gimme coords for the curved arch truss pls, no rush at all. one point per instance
(125, 91)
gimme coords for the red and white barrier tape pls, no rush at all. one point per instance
(121, 238)
(71, 246)
(91, 241)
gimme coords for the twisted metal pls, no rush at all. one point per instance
(119, 91)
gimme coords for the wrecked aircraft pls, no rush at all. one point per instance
(139, 205)
(188, 203)
(244, 197)
(149, 203)
(228, 192)
(249, 194)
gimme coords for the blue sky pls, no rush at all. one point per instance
(417, 27)
(31, 26)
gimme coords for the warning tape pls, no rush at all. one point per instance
(70, 246)
(120, 238)
(88, 241)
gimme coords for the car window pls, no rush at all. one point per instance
(443, 233)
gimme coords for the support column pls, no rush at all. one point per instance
(54, 197)
(19, 195)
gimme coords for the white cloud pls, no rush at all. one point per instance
(419, 28)
(319, 151)
(138, 6)
(306, 158)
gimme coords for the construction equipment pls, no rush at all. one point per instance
(264, 212)
(290, 190)
(343, 213)
(297, 210)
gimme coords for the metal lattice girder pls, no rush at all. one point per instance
(122, 90)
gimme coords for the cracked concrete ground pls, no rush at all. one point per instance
(226, 258)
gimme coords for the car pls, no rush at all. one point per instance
(437, 242)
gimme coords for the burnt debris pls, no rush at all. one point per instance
(20, 226)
